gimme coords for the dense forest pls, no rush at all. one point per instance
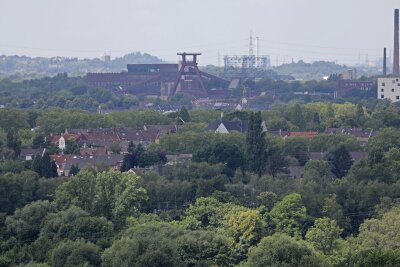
(234, 204)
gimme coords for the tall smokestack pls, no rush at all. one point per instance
(396, 44)
(384, 61)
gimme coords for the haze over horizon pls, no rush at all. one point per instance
(305, 29)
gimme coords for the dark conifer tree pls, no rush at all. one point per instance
(36, 164)
(255, 145)
(130, 161)
(45, 166)
(54, 171)
(74, 170)
(339, 160)
(139, 150)
(131, 147)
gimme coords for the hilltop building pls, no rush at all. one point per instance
(247, 62)
(350, 74)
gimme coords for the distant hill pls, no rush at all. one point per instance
(35, 67)
(310, 71)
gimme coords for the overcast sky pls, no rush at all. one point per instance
(338, 30)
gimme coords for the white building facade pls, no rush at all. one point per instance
(61, 143)
(247, 62)
(389, 88)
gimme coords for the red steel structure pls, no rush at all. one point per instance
(189, 78)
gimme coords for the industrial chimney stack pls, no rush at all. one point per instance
(396, 71)
(384, 61)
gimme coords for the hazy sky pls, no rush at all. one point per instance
(299, 29)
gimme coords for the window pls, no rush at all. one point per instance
(382, 96)
(392, 90)
(383, 84)
(382, 90)
(397, 97)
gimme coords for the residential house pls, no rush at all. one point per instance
(30, 153)
(259, 107)
(61, 162)
(296, 171)
(64, 162)
(222, 106)
(98, 138)
(107, 137)
(179, 159)
(286, 134)
(227, 126)
(138, 136)
(162, 129)
(362, 135)
(60, 140)
(110, 161)
(302, 134)
(93, 151)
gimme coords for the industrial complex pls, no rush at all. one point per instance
(389, 85)
(165, 80)
(161, 80)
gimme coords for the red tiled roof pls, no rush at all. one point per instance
(60, 159)
(101, 136)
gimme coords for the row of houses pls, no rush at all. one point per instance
(222, 126)
(103, 139)
(95, 144)
(99, 141)
(98, 162)
(65, 162)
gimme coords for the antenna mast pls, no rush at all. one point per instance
(251, 46)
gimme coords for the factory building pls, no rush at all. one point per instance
(161, 80)
(346, 87)
(140, 79)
